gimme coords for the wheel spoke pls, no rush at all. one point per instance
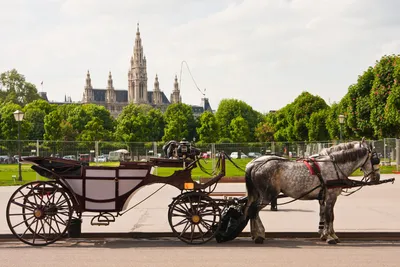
(180, 223)
(185, 228)
(24, 221)
(22, 205)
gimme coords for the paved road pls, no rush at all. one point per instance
(372, 209)
(168, 253)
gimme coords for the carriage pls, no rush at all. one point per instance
(42, 212)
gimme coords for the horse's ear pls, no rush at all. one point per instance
(363, 140)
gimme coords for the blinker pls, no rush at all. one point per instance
(375, 159)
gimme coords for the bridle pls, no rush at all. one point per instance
(373, 157)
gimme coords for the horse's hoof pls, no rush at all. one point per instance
(331, 241)
(323, 237)
(259, 240)
(337, 240)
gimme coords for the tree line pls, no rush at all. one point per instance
(371, 109)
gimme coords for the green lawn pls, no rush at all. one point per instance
(8, 170)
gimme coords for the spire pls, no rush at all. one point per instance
(110, 81)
(176, 85)
(156, 84)
(137, 29)
(88, 80)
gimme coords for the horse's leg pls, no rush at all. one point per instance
(329, 217)
(321, 218)
(256, 226)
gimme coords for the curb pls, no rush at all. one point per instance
(370, 236)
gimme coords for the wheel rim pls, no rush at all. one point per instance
(194, 217)
(39, 213)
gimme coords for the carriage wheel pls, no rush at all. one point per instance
(194, 217)
(39, 213)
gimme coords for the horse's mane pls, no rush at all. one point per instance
(345, 152)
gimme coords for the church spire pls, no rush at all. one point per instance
(110, 81)
(156, 84)
(88, 80)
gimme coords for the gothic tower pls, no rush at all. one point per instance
(110, 94)
(157, 97)
(88, 93)
(137, 75)
(175, 96)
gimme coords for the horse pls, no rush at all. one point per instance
(267, 176)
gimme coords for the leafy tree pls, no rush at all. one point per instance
(95, 131)
(208, 130)
(317, 130)
(52, 128)
(140, 123)
(156, 123)
(180, 122)
(383, 108)
(16, 89)
(230, 109)
(34, 114)
(239, 130)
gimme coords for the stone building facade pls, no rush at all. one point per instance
(116, 99)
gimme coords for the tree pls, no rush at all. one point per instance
(383, 108)
(230, 109)
(180, 122)
(156, 123)
(292, 121)
(208, 130)
(138, 124)
(317, 130)
(16, 89)
(34, 114)
(239, 130)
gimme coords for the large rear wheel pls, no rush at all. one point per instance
(194, 217)
(39, 213)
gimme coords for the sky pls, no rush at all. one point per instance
(263, 52)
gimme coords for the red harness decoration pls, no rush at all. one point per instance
(311, 168)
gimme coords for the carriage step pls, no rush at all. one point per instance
(103, 219)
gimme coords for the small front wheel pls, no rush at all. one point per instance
(39, 213)
(194, 217)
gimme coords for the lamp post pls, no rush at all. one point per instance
(19, 116)
(341, 121)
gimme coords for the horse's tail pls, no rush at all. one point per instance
(249, 183)
(251, 192)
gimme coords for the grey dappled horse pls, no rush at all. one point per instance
(267, 176)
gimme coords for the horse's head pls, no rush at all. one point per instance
(370, 166)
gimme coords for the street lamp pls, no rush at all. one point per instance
(19, 116)
(341, 121)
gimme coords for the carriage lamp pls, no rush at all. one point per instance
(341, 121)
(19, 116)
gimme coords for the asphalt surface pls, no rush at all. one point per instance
(170, 252)
(372, 209)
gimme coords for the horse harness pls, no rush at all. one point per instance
(314, 168)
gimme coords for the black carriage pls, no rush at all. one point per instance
(41, 212)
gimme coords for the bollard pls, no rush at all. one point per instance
(14, 177)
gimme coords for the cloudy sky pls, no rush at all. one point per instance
(264, 52)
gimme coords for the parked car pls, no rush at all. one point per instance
(235, 155)
(254, 155)
(70, 157)
(84, 157)
(100, 159)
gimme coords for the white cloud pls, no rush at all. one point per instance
(265, 52)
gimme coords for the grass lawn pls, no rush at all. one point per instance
(8, 170)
